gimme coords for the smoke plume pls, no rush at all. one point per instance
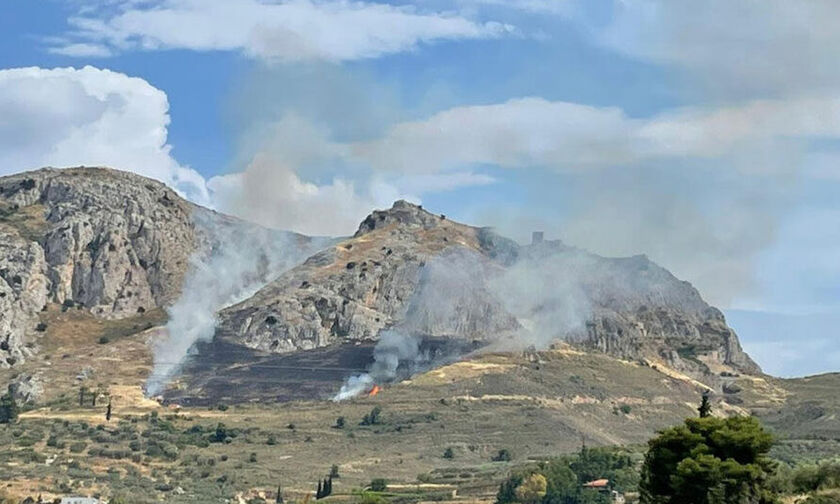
(241, 259)
(464, 296)
(392, 349)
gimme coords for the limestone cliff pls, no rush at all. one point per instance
(110, 242)
(409, 269)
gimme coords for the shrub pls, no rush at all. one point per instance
(78, 447)
(374, 417)
(625, 408)
(503, 456)
(104, 340)
(448, 454)
(220, 434)
(272, 440)
(252, 457)
(532, 489)
(339, 422)
(379, 484)
(154, 451)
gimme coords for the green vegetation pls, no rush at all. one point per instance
(373, 418)
(8, 408)
(379, 485)
(709, 460)
(564, 478)
(502, 456)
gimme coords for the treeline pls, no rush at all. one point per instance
(705, 460)
(562, 480)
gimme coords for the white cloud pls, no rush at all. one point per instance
(88, 116)
(732, 47)
(293, 30)
(561, 7)
(700, 189)
(81, 50)
(70, 117)
(531, 132)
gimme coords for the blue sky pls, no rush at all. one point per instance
(704, 135)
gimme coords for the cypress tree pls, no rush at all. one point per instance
(318, 492)
(705, 408)
(108, 412)
(8, 408)
(82, 396)
(279, 499)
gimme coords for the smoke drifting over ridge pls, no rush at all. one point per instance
(241, 259)
(463, 295)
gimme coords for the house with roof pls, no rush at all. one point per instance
(604, 486)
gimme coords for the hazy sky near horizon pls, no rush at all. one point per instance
(703, 134)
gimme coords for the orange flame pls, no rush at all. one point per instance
(375, 390)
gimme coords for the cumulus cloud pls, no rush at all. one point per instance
(66, 116)
(530, 132)
(93, 117)
(293, 30)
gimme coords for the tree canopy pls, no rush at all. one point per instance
(709, 461)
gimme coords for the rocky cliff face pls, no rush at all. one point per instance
(110, 242)
(413, 271)
(349, 292)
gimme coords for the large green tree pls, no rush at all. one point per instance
(709, 461)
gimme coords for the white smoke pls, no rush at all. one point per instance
(392, 348)
(242, 259)
(463, 295)
(546, 295)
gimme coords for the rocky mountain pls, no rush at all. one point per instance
(116, 245)
(409, 270)
(112, 243)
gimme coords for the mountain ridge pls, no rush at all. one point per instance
(375, 280)
(117, 244)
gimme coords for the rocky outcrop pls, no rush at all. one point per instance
(640, 311)
(351, 291)
(113, 243)
(23, 293)
(410, 270)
